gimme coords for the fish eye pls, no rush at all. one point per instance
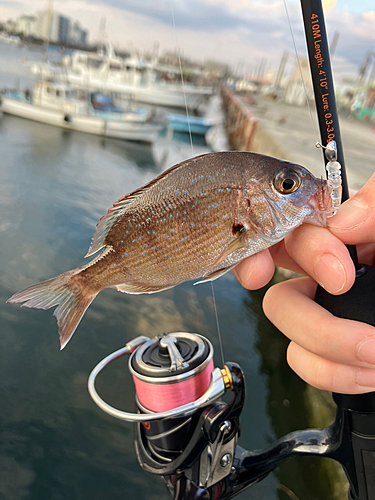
(287, 181)
(288, 185)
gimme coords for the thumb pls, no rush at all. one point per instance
(355, 220)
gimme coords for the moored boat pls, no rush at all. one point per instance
(107, 72)
(63, 106)
(194, 124)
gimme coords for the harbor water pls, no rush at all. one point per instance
(55, 443)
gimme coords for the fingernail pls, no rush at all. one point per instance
(366, 377)
(330, 273)
(366, 350)
(350, 214)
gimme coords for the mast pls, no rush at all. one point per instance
(281, 70)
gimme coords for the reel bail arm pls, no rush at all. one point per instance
(214, 391)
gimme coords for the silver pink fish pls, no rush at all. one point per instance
(197, 220)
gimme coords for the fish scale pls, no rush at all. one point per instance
(198, 225)
(196, 220)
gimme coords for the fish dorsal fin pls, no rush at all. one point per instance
(105, 224)
(119, 208)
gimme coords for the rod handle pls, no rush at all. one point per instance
(358, 304)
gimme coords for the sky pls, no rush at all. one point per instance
(242, 33)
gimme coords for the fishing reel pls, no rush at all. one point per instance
(183, 429)
(188, 435)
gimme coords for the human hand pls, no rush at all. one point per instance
(328, 352)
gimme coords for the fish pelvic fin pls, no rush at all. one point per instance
(138, 288)
(214, 275)
(71, 301)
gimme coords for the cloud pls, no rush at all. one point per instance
(194, 14)
(232, 31)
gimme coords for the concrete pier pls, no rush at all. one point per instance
(279, 129)
(245, 130)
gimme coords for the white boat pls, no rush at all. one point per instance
(12, 39)
(131, 76)
(63, 106)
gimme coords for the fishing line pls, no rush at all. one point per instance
(182, 80)
(317, 142)
(217, 323)
(289, 492)
(192, 152)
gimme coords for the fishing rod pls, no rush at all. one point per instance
(185, 433)
(358, 302)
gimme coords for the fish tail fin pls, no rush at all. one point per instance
(71, 301)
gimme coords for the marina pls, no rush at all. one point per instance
(61, 170)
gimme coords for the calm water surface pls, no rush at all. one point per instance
(55, 443)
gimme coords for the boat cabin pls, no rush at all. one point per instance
(109, 67)
(57, 95)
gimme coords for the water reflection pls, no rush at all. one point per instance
(292, 405)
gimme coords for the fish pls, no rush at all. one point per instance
(195, 221)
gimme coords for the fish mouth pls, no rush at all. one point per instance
(321, 205)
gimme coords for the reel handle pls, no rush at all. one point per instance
(215, 390)
(357, 304)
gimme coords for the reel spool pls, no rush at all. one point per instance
(170, 371)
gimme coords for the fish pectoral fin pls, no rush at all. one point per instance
(214, 276)
(237, 244)
(138, 288)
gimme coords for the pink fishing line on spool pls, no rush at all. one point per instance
(171, 370)
(162, 397)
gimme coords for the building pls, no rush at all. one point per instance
(78, 36)
(26, 25)
(10, 26)
(62, 29)
(49, 26)
(297, 89)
